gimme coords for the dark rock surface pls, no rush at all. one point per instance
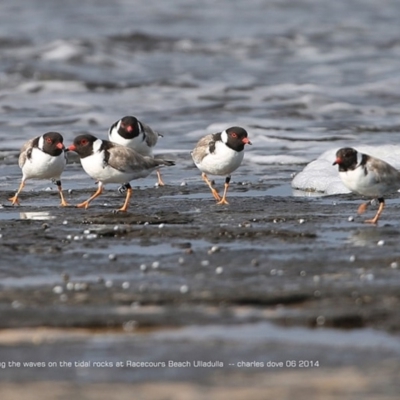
(181, 279)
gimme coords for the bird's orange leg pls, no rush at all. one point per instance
(226, 186)
(14, 200)
(63, 201)
(213, 190)
(86, 203)
(124, 208)
(363, 207)
(160, 181)
(378, 214)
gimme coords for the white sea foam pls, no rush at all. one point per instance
(62, 50)
(321, 176)
(276, 159)
(52, 86)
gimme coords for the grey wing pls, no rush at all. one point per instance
(151, 135)
(127, 160)
(202, 148)
(25, 152)
(384, 171)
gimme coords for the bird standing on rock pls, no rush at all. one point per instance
(220, 154)
(108, 162)
(132, 133)
(368, 176)
(42, 157)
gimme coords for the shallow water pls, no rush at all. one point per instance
(302, 82)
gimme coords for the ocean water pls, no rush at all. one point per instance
(304, 78)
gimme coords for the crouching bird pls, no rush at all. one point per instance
(109, 162)
(368, 176)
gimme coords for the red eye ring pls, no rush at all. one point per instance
(84, 141)
(48, 140)
(234, 134)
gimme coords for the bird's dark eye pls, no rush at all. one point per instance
(234, 134)
(48, 140)
(84, 142)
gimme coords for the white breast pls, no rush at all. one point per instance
(43, 166)
(223, 161)
(137, 143)
(366, 185)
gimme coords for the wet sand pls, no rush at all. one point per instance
(285, 280)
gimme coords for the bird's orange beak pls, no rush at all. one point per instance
(60, 146)
(246, 140)
(72, 147)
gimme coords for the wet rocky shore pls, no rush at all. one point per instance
(275, 279)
